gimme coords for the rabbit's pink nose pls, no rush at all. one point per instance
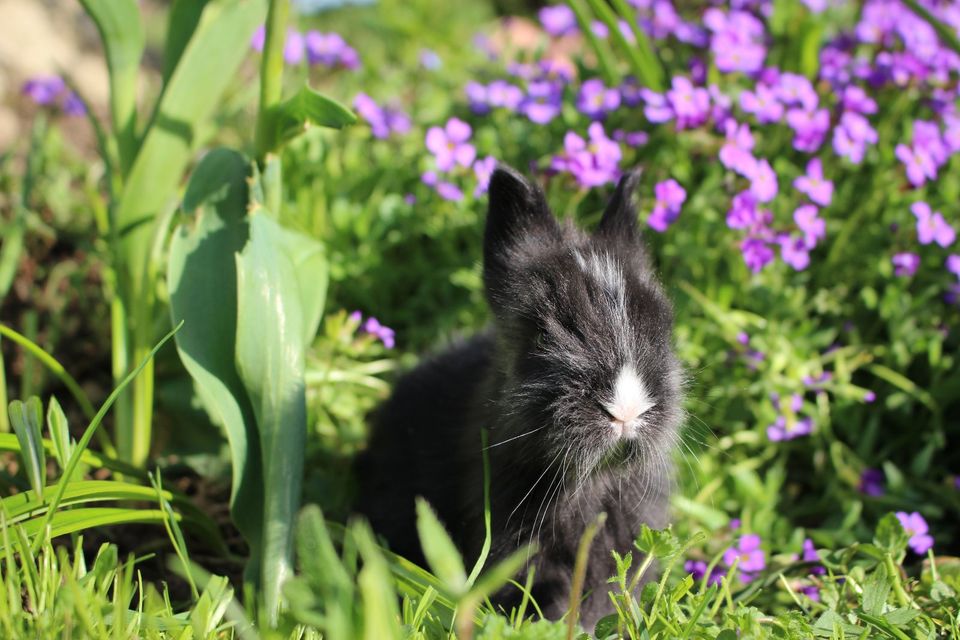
(630, 399)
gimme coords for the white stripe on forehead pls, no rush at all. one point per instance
(631, 399)
(605, 270)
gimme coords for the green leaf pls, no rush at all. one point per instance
(181, 24)
(121, 31)
(59, 432)
(281, 278)
(202, 277)
(606, 627)
(27, 420)
(890, 535)
(195, 89)
(661, 544)
(380, 614)
(306, 107)
(876, 589)
(438, 548)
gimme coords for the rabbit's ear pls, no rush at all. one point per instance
(518, 214)
(620, 218)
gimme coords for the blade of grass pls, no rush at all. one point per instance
(600, 48)
(92, 428)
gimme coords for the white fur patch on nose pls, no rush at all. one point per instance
(630, 397)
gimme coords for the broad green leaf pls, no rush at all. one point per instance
(27, 420)
(306, 107)
(121, 31)
(279, 274)
(181, 24)
(202, 277)
(206, 67)
(59, 432)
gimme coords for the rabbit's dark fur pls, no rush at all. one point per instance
(581, 336)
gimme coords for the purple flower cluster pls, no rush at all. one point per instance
(383, 121)
(592, 162)
(791, 425)
(916, 529)
(371, 326)
(736, 40)
(328, 49)
(52, 91)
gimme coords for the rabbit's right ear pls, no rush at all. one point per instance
(518, 214)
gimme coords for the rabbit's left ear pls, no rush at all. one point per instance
(620, 218)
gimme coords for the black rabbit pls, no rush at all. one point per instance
(577, 384)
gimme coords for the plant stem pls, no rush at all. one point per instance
(271, 72)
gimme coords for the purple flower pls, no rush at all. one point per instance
(698, 569)
(794, 251)
(763, 181)
(73, 105)
(916, 528)
(592, 163)
(382, 120)
(794, 89)
(478, 96)
(656, 107)
(330, 49)
(542, 102)
(917, 162)
(258, 38)
(735, 40)
(852, 135)
(953, 264)
(813, 227)
(756, 254)
(670, 196)
(450, 144)
(931, 227)
(785, 428)
(501, 93)
(294, 47)
(782, 429)
(373, 327)
(809, 127)
(449, 191)
(810, 555)
(813, 184)
(762, 103)
(810, 590)
(744, 214)
(856, 99)
(44, 90)
(752, 558)
(385, 334)
(872, 483)
(429, 60)
(483, 169)
(595, 100)
(631, 138)
(630, 92)
(558, 20)
(905, 264)
(690, 104)
(736, 154)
